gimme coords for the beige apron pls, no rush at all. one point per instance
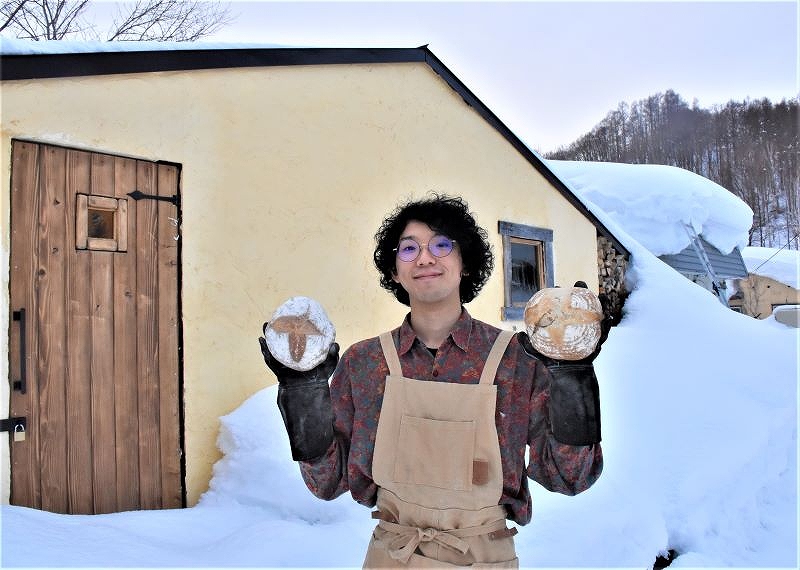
(437, 465)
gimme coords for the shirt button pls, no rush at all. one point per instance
(435, 373)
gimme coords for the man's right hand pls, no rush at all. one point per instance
(305, 403)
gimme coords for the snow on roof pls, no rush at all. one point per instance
(781, 265)
(14, 46)
(653, 202)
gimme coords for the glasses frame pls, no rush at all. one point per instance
(427, 245)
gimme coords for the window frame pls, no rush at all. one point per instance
(118, 207)
(508, 232)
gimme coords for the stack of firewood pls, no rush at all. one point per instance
(611, 267)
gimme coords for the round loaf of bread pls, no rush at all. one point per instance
(299, 333)
(564, 323)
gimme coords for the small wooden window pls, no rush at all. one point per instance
(101, 223)
(527, 265)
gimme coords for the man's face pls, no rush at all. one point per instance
(429, 279)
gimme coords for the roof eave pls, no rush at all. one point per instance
(43, 66)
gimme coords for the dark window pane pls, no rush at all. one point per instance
(101, 224)
(524, 272)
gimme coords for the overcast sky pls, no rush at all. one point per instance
(553, 70)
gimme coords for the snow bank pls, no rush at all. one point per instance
(257, 468)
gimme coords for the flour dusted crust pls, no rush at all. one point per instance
(299, 333)
(564, 323)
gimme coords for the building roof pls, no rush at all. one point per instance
(20, 64)
(691, 261)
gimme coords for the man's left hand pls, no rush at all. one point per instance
(574, 404)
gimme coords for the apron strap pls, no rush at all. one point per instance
(495, 355)
(390, 354)
(489, 368)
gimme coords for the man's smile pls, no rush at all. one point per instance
(428, 275)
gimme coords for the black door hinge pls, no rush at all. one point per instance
(139, 195)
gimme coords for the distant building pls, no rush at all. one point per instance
(771, 282)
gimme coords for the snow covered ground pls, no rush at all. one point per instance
(699, 408)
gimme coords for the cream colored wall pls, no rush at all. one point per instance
(760, 293)
(287, 173)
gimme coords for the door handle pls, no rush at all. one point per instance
(21, 384)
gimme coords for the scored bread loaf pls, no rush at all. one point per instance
(299, 333)
(564, 323)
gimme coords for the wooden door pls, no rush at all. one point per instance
(94, 289)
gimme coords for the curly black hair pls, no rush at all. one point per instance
(449, 216)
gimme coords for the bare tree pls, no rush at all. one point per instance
(9, 11)
(156, 20)
(44, 19)
(752, 148)
(169, 20)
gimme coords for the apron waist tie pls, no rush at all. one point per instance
(407, 538)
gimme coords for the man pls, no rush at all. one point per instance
(430, 421)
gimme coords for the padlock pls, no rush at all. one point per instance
(19, 432)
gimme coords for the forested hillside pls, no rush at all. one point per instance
(752, 148)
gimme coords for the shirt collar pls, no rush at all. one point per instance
(461, 332)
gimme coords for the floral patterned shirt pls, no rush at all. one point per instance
(521, 416)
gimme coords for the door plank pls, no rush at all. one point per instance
(52, 330)
(102, 359)
(172, 496)
(78, 374)
(147, 333)
(125, 364)
(25, 479)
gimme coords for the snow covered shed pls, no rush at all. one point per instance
(691, 223)
(158, 202)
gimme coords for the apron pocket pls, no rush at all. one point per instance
(437, 453)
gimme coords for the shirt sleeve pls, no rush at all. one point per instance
(558, 467)
(326, 476)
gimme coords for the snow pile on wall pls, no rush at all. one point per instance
(257, 467)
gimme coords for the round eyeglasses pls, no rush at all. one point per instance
(409, 249)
